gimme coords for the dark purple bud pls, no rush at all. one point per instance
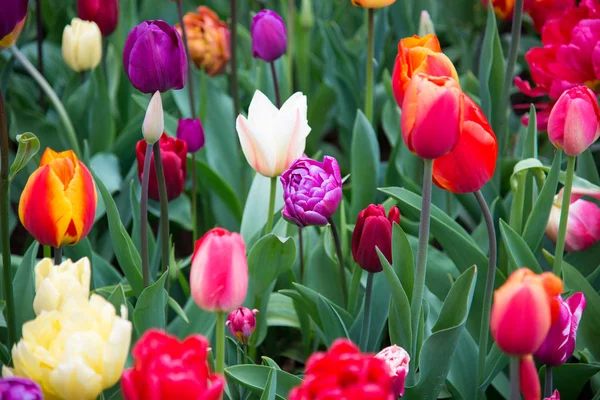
(269, 36)
(241, 323)
(16, 388)
(191, 131)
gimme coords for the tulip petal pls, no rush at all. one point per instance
(583, 225)
(256, 154)
(581, 127)
(292, 130)
(82, 196)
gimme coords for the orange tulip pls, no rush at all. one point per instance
(58, 204)
(419, 55)
(432, 115)
(372, 3)
(503, 8)
(524, 309)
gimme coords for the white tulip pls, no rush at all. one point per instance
(82, 45)
(154, 121)
(426, 26)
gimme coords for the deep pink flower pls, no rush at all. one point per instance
(397, 360)
(241, 323)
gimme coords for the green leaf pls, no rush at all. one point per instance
(269, 393)
(255, 210)
(117, 298)
(518, 250)
(178, 310)
(586, 167)
(101, 123)
(281, 312)
(136, 234)
(495, 362)
(149, 310)
(24, 287)
(103, 274)
(399, 315)
(311, 298)
(256, 377)
(402, 259)
(365, 164)
(333, 326)
(202, 322)
(570, 379)
(29, 145)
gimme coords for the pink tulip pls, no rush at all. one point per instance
(555, 396)
(241, 323)
(530, 383)
(219, 275)
(397, 359)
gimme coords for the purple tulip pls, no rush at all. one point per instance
(154, 57)
(269, 36)
(191, 131)
(312, 191)
(13, 13)
(560, 341)
(15, 388)
(241, 323)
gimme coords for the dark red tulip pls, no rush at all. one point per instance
(105, 13)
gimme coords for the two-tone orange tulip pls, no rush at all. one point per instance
(58, 204)
(372, 3)
(503, 8)
(419, 55)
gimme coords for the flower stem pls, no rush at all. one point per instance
(366, 323)
(291, 29)
(269, 226)
(144, 217)
(233, 44)
(301, 246)
(276, 84)
(421, 266)
(246, 359)
(62, 113)
(7, 277)
(47, 252)
(40, 47)
(340, 256)
(164, 208)
(194, 200)
(220, 327)
(370, 56)
(484, 330)
(58, 255)
(515, 385)
(548, 381)
(564, 217)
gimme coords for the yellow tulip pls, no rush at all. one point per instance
(82, 45)
(372, 3)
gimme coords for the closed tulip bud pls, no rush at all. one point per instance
(273, 139)
(58, 204)
(312, 191)
(154, 121)
(432, 115)
(269, 36)
(574, 121)
(555, 396)
(471, 164)
(174, 160)
(397, 359)
(219, 274)
(105, 13)
(426, 26)
(503, 8)
(524, 308)
(560, 341)
(55, 284)
(154, 57)
(82, 45)
(16, 388)
(372, 3)
(528, 379)
(192, 133)
(373, 230)
(241, 323)
(12, 21)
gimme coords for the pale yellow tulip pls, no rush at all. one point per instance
(82, 45)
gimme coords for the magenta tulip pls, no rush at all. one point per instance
(241, 323)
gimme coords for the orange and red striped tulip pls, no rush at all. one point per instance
(58, 204)
(471, 164)
(419, 55)
(524, 309)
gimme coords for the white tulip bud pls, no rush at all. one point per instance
(426, 26)
(154, 122)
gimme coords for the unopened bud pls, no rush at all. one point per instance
(154, 122)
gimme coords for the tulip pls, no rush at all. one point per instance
(528, 379)
(273, 139)
(372, 3)
(541, 11)
(12, 21)
(154, 57)
(165, 368)
(426, 26)
(312, 191)
(269, 36)
(192, 133)
(16, 388)
(560, 341)
(432, 115)
(397, 360)
(105, 13)
(583, 223)
(154, 120)
(555, 396)
(58, 204)
(75, 352)
(241, 323)
(174, 159)
(503, 8)
(208, 40)
(219, 274)
(471, 164)
(574, 122)
(56, 284)
(82, 45)
(419, 55)
(524, 308)
(345, 373)
(373, 229)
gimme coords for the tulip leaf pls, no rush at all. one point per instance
(495, 362)
(201, 322)
(24, 287)
(402, 259)
(255, 210)
(333, 326)
(518, 250)
(310, 299)
(256, 379)
(586, 167)
(29, 145)
(117, 297)
(136, 234)
(149, 310)
(269, 392)
(570, 379)
(365, 164)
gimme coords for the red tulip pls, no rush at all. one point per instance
(528, 379)
(105, 13)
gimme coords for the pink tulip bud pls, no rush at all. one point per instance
(219, 275)
(555, 396)
(397, 359)
(241, 323)
(573, 123)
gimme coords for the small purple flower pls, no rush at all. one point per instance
(560, 341)
(241, 323)
(269, 36)
(154, 57)
(191, 131)
(13, 12)
(312, 191)
(16, 388)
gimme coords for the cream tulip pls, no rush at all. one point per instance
(54, 284)
(82, 45)
(154, 121)
(272, 139)
(74, 353)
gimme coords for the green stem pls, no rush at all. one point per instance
(164, 208)
(62, 113)
(340, 256)
(564, 217)
(515, 385)
(144, 217)
(421, 266)
(40, 41)
(194, 199)
(234, 79)
(7, 277)
(301, 248)
(246, 359)
(370, 56)
(548, 381)
(57, 255)
(276, 84)
(203, 96)
(291, 28)
(366, 323)
(47, 252)
(269, 226)
(220, 327)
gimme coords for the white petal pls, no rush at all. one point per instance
(259, 153)
(154, 121)
(292, 129)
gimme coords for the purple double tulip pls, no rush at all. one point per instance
(154, 57)
(15, 388)
(269, 36)
(12, 18)
(312, 191)
(560, 341)
(191, 131)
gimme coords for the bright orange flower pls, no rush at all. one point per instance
(524, 309)
(419, 55)
(503, 8)
(58, 204)
(372, 3)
